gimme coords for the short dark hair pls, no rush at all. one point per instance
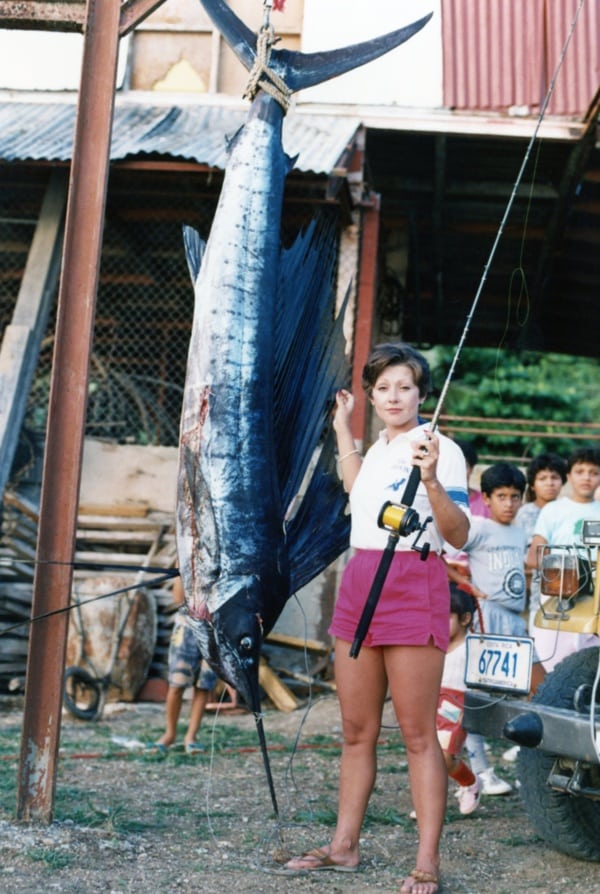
(502, 475)
(469, 452)
(584, 455)
(461, 603)
(400, 354)
(544, 462)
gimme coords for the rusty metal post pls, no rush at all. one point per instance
(66, 413)
(365, 308)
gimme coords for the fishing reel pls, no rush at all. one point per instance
(402, 521)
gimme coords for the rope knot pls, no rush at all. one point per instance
(262, 77)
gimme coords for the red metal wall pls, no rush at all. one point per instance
(503, 53)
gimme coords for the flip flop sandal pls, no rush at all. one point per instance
(156, 748)
(421, 877)
(320, 862)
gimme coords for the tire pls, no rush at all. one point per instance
(568, 823)
(82, 694)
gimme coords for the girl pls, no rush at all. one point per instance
(452, 701)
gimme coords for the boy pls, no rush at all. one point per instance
(546, 475)
(560, 523)
(496, 549)
(186, 668)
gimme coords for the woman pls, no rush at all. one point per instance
(408, 636)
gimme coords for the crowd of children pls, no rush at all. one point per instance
(499, 567)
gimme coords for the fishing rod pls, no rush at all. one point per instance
(401, 520)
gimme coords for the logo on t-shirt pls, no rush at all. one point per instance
(514, 584)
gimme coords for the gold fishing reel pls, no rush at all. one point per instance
(398, 519)
(402, 521)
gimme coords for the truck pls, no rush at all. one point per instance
(558, 728)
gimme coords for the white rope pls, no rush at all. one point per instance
(262, 77)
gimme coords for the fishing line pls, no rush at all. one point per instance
(513, 195)
(161, 575)
(409, 515)
(275, 835)
(282, 854)
(518, 272)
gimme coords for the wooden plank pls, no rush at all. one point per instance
(20, 346)
(312, 682)
(19, 548)
(16, 567)
(115, 537)
(14, 609)
(282, 697)
(118, 510)
(119, 522)
(120, 558)
(18, 501)
(20, 533)
(296, 642)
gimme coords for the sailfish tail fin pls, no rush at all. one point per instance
(302, 70)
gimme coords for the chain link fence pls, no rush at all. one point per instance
(144, 306)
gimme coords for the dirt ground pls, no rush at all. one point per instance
(127, 820)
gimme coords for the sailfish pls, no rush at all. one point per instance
(260, 507)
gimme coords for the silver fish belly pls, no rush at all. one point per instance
(229, 534)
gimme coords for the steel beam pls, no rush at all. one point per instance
(365, 308)
(68, 15)
(67, 409)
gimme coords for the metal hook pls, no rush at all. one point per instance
(268, 6)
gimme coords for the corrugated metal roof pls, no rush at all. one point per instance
(36, 131)
(503, 55)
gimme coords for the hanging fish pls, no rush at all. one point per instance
(265, 359)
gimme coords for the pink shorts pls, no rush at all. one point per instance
(414, 606)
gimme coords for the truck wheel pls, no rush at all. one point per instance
(82, 694)
(569, 824)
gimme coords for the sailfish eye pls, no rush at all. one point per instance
(246, 644)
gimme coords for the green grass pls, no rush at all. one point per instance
(389, 816)
(53, 859)
(325, 816)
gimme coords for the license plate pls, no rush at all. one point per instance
(499, 662)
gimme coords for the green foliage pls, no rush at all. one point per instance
(540, 389)
(52, 858)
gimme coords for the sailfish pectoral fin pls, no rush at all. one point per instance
(302, 70)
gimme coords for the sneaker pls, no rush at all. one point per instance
(512, 754)
(492, 784)
(469, 797)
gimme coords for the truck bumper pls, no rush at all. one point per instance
(562, 732)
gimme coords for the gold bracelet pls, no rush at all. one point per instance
(346, 455)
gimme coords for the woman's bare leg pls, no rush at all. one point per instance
(361, 686)
(414, 674)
